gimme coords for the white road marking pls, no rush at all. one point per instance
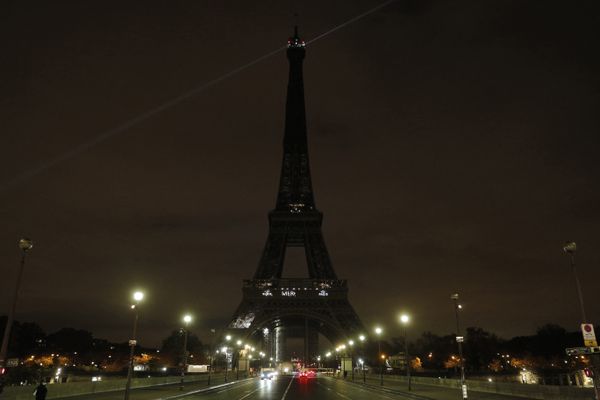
(249, 393)
(361, 389)
(335, 391)
(287, 390)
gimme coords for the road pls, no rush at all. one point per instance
(287, 388)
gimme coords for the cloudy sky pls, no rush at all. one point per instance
(454, 147)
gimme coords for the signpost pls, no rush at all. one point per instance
(12, 362)
(589, 337)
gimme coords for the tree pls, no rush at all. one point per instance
(434, 350)
(26, 339)
(172, 347)
(70, 340)
(481, 348)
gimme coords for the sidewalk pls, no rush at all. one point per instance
(429, 391)
(142, 389)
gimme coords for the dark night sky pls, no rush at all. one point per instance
(453, 147)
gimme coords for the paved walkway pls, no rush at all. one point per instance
(431, 391)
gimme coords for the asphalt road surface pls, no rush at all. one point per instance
(323, 388)
(288, 388)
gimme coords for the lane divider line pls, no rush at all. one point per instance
(343, 396)
(228, 385)
(251, 392)
(288, 388)
(396, 392)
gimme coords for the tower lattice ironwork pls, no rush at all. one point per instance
(295, 307)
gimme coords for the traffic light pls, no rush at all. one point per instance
(588, 372)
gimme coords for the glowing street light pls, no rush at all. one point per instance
(224, 351)
(351, 344)
(362, 339)
(186, 320)
(459, 340)
(405, 319)
(378, 332)
(138, 296)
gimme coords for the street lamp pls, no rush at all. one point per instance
(351, 344)
(25, 245)
(378, 332)
(137, 298)
(459, 341)
(211, 355)
(186, 321)
(362, 339)
(405, 319)
(571, 248)
(237, 363)
(224, 351)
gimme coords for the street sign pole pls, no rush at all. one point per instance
(589, 337)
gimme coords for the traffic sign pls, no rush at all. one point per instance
(589, 337)
(12, 362)
(574, 351)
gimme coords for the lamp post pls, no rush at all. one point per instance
(362, 339)
(211, 356)
(571, 248)
(224, 351)
(405, 319)
(186, 321)
(137, 298)
(25, 245)
(351, 344)
(343, 359)
(378, 332)
(237, 361)
(459, 341)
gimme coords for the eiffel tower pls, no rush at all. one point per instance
(274, 309)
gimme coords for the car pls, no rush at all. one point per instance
(267, 373)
